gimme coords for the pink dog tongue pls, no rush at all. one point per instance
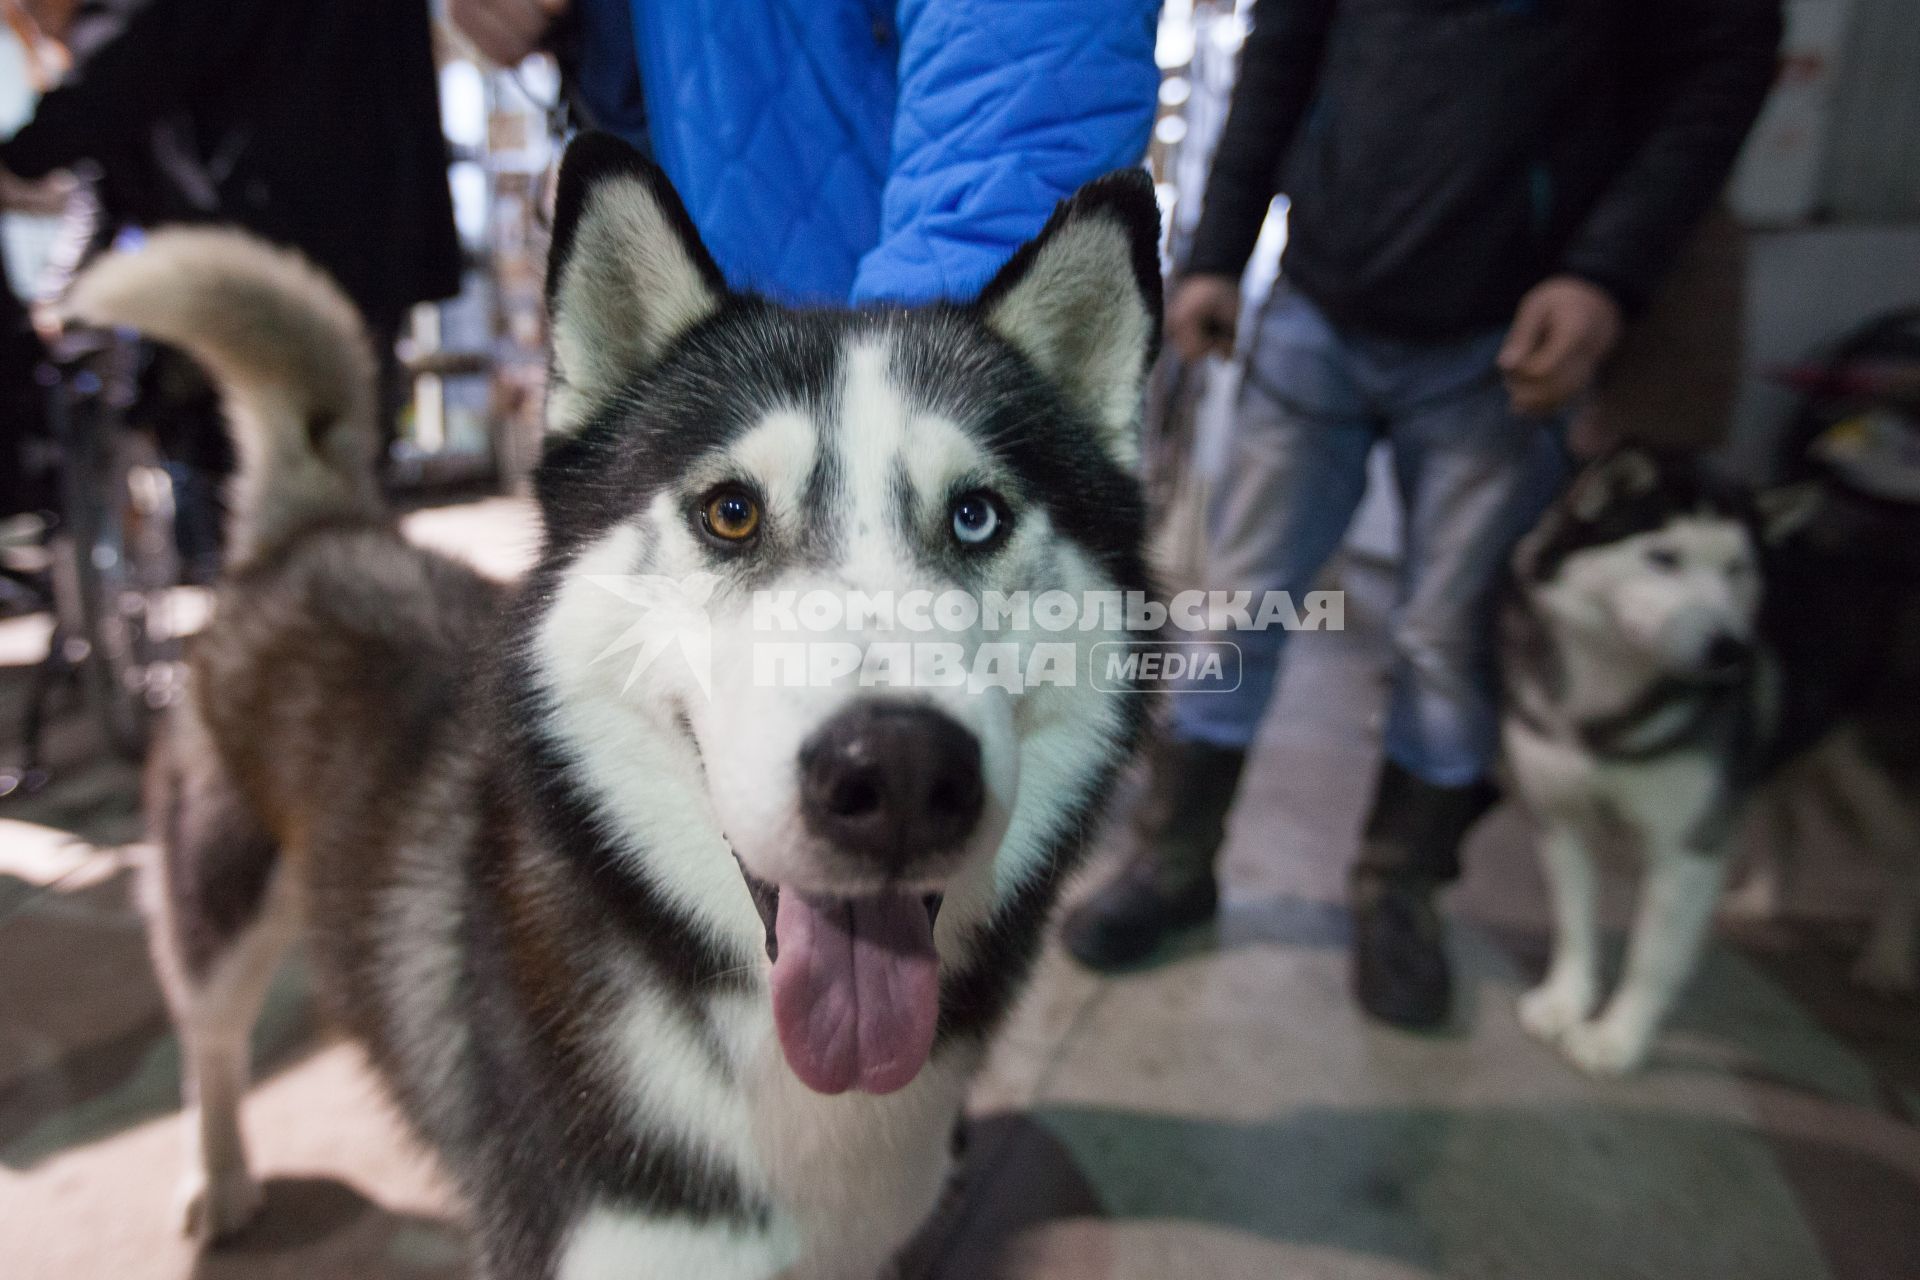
(856, 990)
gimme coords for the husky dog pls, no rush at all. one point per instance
(682, 972)
(1670, 644)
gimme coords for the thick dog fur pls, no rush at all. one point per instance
(286, 348)
(1670, 647)
(518, 858)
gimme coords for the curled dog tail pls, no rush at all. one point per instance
(289, 354)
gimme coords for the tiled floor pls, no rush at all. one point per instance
(1223, 1114)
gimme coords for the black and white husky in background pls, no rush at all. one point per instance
(681, 977)
(1671, 644)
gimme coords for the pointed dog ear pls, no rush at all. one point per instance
(1628, 472)
(626, 275)
(1785, 510)
(1082, 301)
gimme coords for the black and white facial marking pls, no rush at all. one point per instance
(1653, 560)
(708, 446)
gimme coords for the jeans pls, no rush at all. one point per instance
(1472, 478)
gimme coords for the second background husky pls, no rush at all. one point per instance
(1670, 646)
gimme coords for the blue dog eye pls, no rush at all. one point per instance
(976, 518)
(1663, 559)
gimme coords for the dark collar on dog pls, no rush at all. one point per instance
(1621, 735)
(1712, 708)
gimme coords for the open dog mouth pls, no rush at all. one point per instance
(856, 984)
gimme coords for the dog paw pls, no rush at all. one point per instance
(211, 1209)
(1886, 973)
(1549, 1011)
(1603, 1049)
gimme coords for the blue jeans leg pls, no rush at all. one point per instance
(1291, 483)
(1473, 478)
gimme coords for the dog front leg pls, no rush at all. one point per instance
(1669, 933)
(214, 1013)
(1572, 986)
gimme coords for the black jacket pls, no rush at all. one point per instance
(314, 123)
(1444, 156)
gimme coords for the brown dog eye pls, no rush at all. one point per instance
(731, 515)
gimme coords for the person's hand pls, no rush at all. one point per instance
(1564, 328)
(1203, 315)
(505, 30)
(47, 322)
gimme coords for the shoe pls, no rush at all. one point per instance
(1411, 848)
(1400, 971)
(1167, 884)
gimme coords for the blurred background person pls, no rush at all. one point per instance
(315, 125)
(1483, 193)
(22, 416)
(838, 150)
(22, 411)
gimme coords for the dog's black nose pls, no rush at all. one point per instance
(1725, 653)
(891, 781)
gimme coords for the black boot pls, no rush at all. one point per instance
(1167, 883)
(1411, 848)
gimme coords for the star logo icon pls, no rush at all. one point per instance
(673, 615)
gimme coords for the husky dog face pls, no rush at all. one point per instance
(718, 464)
(1650, 558)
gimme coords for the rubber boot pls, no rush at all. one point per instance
(1411, 848)
(1167, 883)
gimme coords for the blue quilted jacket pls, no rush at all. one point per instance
(862, 150)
